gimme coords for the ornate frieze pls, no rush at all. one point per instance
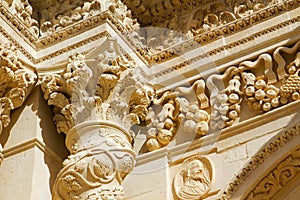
(223, 100)
(16, 82)
(96, 100)
(194, 178)
(24, 13)
(196, 16)
(213, 20)
(277, 178)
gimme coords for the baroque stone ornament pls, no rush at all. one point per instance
(277, 178)
(24, 12)
(183, 109)
(16, 82)
(96, 100)
(194, 179)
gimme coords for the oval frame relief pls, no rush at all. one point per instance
(194, 178)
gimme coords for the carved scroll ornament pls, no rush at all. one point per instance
(278, 178)
(96, 99)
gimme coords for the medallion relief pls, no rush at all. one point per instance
(194, 179)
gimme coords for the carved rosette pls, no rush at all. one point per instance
(194, 179)
(16, 82)
(96, 100)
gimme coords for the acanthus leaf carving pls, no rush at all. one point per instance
(96, 100)
(16, 82)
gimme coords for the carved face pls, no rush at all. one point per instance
(196, 170)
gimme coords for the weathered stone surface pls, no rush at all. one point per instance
(199, 102)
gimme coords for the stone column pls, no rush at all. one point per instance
(96, 100)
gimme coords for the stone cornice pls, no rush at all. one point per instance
(137, 46)
(229, 29)
(219, 50)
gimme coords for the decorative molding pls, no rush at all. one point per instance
(18, 15)
(214, 33)
(123, 22)
(198, 16)
(24, 146)
(226, 47)
(74, 46)
(16, 82)
(222, 100)
(277, 178)
(259, 158)
(13, 41)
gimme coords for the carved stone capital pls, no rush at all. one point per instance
(96, 100)
(16, 82)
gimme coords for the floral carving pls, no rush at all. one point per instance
(284, 172)
(15, 83)
(194, 179)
